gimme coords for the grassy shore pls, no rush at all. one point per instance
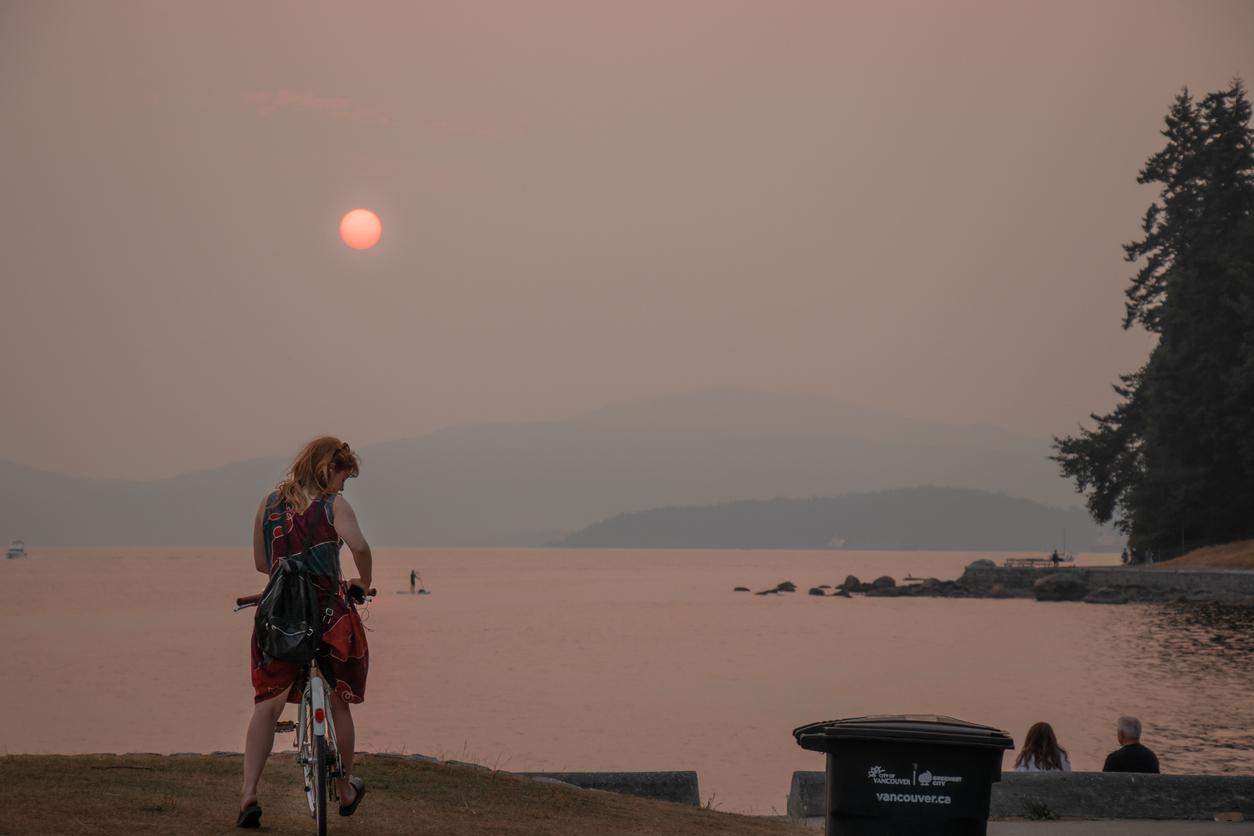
(1238, 555)
(83, 794)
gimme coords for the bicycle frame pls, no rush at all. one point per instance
(314, 720)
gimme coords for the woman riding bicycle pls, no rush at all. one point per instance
(307, 508)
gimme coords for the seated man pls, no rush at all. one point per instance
(1131, 756)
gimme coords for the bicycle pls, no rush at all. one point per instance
(316, 751)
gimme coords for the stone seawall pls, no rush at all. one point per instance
(1132, 583)
(1083, 795)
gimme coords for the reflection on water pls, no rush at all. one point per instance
(1192, 633)
(621, 660)
(1207, 652)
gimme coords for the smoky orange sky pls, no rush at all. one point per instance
(912, 206)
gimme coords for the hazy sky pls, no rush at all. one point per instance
(916, 207)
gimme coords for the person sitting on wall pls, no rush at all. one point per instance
(1041, 752)
(1131, 756)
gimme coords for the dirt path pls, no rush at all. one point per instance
(139, 794)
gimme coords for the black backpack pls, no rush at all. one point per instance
(289, 621)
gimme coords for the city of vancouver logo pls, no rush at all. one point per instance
(880, 775)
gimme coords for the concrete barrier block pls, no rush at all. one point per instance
(676, 787)
(807, 795)
(1114, 795)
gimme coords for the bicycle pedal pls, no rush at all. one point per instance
(284, 726)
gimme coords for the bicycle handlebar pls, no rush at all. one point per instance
(253, 600)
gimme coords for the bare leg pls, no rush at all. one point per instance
(342, 716)
(258, 743)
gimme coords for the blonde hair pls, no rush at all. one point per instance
(311, 471)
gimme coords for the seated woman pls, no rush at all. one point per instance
(1041, 752)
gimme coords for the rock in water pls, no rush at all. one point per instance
(814, 590)
(786, 586)
(1060, 587)
(1105, 595)
(982, 563)
(883, 582)
(741, 589)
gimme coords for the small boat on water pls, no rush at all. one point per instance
(16, 549)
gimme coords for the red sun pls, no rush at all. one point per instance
(360, 229)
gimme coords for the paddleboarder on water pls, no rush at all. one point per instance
(413, 581)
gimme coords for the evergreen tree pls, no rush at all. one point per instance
(1173, 464)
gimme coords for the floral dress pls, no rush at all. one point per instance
(343, 656)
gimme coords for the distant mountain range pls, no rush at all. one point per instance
(906, 518)
(532, 483)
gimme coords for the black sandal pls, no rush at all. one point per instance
(360, 786)
(250, 816)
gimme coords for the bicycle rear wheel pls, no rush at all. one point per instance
(321, 775)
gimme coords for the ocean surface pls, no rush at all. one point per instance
(619, 660)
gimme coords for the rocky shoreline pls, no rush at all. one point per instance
(1093, 585)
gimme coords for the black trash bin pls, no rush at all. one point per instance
(907, 774)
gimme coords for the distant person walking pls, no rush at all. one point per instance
(413, 581)
(1041, 752)
(1131, 756)
(307, 508)
(1055, 559)
(1123, 558)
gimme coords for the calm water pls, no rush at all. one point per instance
(619, 660)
